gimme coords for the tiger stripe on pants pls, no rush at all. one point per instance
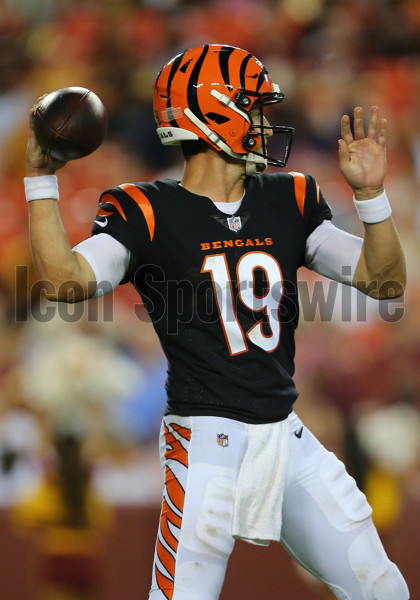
(176, 460)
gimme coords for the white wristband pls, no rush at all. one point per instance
(374, 210)
(42, 187)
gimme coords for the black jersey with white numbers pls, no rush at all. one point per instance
(220, 290)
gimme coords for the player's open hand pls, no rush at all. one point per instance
(362, 158)
(37, 161)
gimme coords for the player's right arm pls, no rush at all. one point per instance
(71, 277)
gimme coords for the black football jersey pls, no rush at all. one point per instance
(220, 290)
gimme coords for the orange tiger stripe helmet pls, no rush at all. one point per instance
(209, 92)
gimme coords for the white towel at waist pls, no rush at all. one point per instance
(257, 507)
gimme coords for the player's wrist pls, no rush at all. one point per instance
(41, 187)
(39, 171)
(367, 193)
(373, 210)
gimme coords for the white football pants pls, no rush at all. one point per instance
(326, 527)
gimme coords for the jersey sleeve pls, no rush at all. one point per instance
(108, 258)
(333, 252)
(126, 214)
(312, 205)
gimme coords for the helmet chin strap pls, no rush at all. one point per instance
(254, 163)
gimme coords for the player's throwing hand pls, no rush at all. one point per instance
(38, 161)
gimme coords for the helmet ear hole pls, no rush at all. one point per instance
(216, 118)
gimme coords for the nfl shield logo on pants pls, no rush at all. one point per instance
(223, 440)
(234, 223)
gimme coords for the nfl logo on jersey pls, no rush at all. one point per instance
(234, 223)
(223, 440)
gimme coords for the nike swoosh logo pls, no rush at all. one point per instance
(299, 432)
(102, 223)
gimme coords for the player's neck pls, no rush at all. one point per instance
(209, 174)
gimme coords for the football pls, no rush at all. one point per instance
(70, 123)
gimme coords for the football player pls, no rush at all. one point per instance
(214, 257)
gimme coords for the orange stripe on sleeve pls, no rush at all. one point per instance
(110, 199)
(300, 190)
(103, 213)
(143, 202)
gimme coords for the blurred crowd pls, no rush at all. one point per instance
(97, 377)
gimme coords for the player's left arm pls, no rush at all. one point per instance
(381, 270)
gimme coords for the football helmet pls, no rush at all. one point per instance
(217, 93)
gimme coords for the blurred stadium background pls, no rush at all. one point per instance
(82, 392)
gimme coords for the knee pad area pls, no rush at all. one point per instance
(377, 576)
(390, 585)
(214, 524)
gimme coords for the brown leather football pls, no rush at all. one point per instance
(70, 123)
